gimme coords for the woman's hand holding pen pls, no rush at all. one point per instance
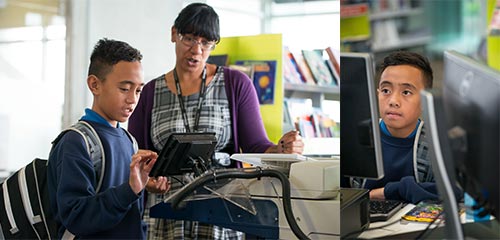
(290, 142)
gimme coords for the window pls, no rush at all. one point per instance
(32, 56)
(299, 23)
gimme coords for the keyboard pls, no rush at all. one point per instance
(383, 210)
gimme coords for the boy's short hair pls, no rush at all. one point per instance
(200, 20)
(408, 58)
(109, 52)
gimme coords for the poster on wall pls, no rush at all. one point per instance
(264, 75)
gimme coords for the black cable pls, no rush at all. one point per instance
(178, 180)
(247, 173)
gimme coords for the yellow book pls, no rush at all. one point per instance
(426, 211)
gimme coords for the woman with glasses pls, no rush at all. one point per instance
(198, 97)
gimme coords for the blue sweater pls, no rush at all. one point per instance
(399, 177)
(116, 211)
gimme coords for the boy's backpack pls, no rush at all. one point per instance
(24, 198)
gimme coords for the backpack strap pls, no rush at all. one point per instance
(421, 156)
(94, 148)
(96, 153)
(134, 142)
(94, 145)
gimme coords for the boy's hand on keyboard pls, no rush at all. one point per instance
(377, 194)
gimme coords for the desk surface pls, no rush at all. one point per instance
(401, 226)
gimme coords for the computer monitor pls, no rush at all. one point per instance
(464, 121)
(360, 147)
(185, 153)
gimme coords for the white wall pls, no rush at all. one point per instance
(145, 25)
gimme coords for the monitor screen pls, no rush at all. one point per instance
(471, 103)
(360, 148)
(185, 153)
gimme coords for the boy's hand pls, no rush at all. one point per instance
(158, 185)
(377, 194)
(142, 163)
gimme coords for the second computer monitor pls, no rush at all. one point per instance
(471, 98)
(360, 148)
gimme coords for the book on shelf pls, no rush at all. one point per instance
(334, 57)
(377, 6)
(304, 69)
(297, 109)
(219, 60)
(351, 9)
(288, 122)
(311, 122)
(264, 75)
(385, 33)
(331, 69)
(306, 127)
(326, 126)
(290, 69)
(317, 126)
(355, 32)
(318, 67)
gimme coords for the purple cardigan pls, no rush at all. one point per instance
(249, 135)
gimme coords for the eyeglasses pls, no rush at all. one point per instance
(190, 42)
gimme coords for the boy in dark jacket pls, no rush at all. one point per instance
(115, 79)
(408, 174)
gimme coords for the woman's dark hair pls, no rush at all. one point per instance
(199, 19)
(408, 58)
(107, 53)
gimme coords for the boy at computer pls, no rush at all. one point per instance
(408, 173)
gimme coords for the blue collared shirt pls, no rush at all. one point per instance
(384, 129)
(91, 115)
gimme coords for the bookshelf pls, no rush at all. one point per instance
(355, 24)
(270, 47)
(407, 41)
(314, 92)
(386, 25)
(389, 14)
(398, 24)
(355, 30)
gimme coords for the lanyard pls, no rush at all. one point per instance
(200, 100)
